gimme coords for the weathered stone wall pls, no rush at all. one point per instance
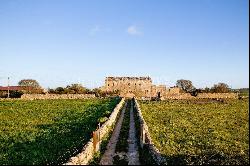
(145, 139)
(56, 96)
(140, 86)
(90, 148)
(173, 90)
(217, 95)
(202, 96)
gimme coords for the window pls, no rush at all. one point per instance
(108, 84)
(128, 84)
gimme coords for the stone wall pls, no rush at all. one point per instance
(139, 86)
(201, 96)
(91, 147)
(145, 139)
(217, 95)
(56, 96)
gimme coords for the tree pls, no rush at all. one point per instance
(51, 91)
(29, 82)
(206, 90)
(30, 86)
(185, 85)
(220, 88)
(59, 90)
(97, 92)
(76, 89)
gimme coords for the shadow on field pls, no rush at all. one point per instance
(207, 158)
(55, 146)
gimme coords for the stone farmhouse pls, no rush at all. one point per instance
(137, 86)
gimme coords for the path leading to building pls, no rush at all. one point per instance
(107, 158)
(133, 154)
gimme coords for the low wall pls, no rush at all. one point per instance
(145, 139)
(202, 96)
(93, 145)
(217, 95)
(56, 96)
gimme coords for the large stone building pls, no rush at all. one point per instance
(136, 86)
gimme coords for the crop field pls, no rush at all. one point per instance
(48, 131)
(199, 132)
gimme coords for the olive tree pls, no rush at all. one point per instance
(220, 88)
(185, 85)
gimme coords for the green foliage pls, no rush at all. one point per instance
(48, 131)
(102, 120)
(16, 94)
(220, 88)
(76, 89)
(185, 85)
(13, 94)
(199, 132)
(29, 82)
(70, 89)
(59, 90)
(242, 92)
(30, 86)
(122, 144)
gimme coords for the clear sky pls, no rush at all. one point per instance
(59, 42)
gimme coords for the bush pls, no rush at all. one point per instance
(16, 94)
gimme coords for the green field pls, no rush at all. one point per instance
(48, 131)
(199, 132)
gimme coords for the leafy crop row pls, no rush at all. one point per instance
(48, 131)
(199, 132)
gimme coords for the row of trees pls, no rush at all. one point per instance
(79, 89)
(70, 89)
(187, 86)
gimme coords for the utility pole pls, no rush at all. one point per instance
(8, 87)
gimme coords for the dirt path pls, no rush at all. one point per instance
(133, 154)
(123, 150)
(107, 158)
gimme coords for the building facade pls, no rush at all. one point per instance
(135, 86)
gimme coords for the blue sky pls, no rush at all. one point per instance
(59, 42)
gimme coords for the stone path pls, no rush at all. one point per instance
(107, 158)
(133, 154)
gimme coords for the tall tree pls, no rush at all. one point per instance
(220, 88)
(185, 85)
(29, 82)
